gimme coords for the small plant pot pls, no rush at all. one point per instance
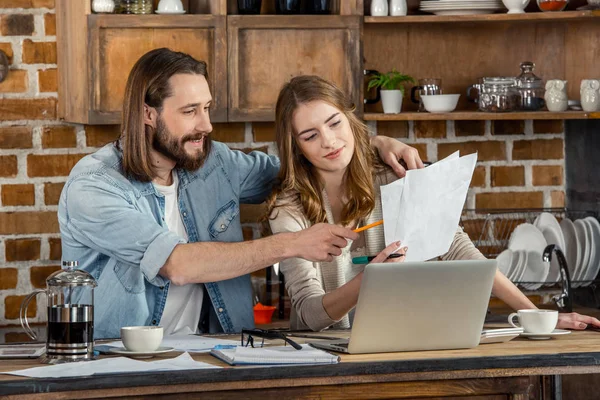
(391, 101)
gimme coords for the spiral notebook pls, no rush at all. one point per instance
(239, 355)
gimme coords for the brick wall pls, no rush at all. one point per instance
(521, 163)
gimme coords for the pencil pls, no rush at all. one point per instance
(363, 228)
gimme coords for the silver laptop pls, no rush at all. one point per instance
(419, 306)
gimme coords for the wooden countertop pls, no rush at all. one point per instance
(576, 353)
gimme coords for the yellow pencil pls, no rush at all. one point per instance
(363, 228)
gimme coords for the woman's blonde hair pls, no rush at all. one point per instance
(299, 183)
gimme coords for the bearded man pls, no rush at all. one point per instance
(154, 217)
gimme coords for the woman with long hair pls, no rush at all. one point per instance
(329, 173)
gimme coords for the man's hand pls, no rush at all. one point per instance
(321, 242)
(391, 150)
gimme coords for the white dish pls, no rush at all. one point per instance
(462, 12)
(536, 270)
(140, 354)
(505, 262)
(571, 249)
(583, 244)
(170, 12)
(595, 262)
(440, 103)
(548, 221)
(527, 237)
(552, 238)
(521, 266)
(542, 336)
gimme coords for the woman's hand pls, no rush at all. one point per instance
(576, 321)
(393, 248)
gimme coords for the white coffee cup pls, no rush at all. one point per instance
(535, 321)
(142, 338)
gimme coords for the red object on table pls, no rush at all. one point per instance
(263, 314)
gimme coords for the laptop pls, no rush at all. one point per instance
(413, 306)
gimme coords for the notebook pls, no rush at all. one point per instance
(239, 355)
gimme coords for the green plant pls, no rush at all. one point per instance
(392, 80)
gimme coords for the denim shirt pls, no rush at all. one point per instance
(115, 228)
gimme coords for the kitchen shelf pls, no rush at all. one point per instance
(526, 17)
(477, 115)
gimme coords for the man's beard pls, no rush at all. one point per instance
(167, 145)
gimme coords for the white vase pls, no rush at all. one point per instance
(556, 95)
(515, 6)
(103, 6)
(379, 8)
(590, 95)
(398, 8)
(391, 101)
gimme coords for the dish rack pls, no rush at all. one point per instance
(490, 230)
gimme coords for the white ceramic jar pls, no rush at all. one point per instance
(103, 6)
(398, 8)
(590, 95)
(556, 95)
(379, 8)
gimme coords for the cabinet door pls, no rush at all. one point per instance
(266, 51)
(117, 42)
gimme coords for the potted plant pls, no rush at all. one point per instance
(391, 85)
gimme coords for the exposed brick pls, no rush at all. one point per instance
(508, 176)
(487, 151)
(38, 275)
(8, 166)
(17, 25)
(469, 128)
(16, 337)
(538, 149)
(99, 135)
(18, 195)
(248, 233)
(247, 150)
(503, 226)
(27, 109)
(51, 164)
(478, 177)
(16, 82)
(508, 127)
(39, 52)
(28, 4)
(422, 149)
(48, 80)
(9, 277)
(15, 137)
(475, 229)
(22, 249)
(52, 193)
(548, 126)
(547, 175)
(557, 199)
(430, 129)
(263, 131)
(50, 24)
(230, 133)
(28, 222)
(509, 200)
(12, 305)
(395, 129)
(7, 48)
(55, 248)
(59, 136)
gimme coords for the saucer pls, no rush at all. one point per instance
(170, 12)
(140, 354)
(542, 336)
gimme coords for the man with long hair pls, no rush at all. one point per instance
(154, 217)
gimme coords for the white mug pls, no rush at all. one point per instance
(535, 321)
(142, 338)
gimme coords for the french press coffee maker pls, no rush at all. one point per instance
(70, 329)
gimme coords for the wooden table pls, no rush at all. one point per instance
(490, 371)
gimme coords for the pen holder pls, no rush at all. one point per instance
(263, 314)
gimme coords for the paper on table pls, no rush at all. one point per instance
(111, 366)
(191, 343)
(240, 355)
(428, 206)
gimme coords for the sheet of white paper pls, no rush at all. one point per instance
(191, 343)
(112, 366)
(390, 199)
(430, 206)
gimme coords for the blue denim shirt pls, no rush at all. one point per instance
(115, 228)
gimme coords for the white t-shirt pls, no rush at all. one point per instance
(182, 309)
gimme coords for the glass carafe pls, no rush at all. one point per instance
(70, 327)
(531, 88)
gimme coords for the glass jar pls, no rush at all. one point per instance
(498, 94)
(552, 5)
(136, 6)
(531, 88)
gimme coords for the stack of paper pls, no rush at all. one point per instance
(238, 355)
(423, 209)
(190, 343)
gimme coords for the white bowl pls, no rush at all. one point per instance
(440, 103)
(141, 338)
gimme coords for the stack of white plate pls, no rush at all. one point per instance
(583, 258)
(461, 7)
(526, 246)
